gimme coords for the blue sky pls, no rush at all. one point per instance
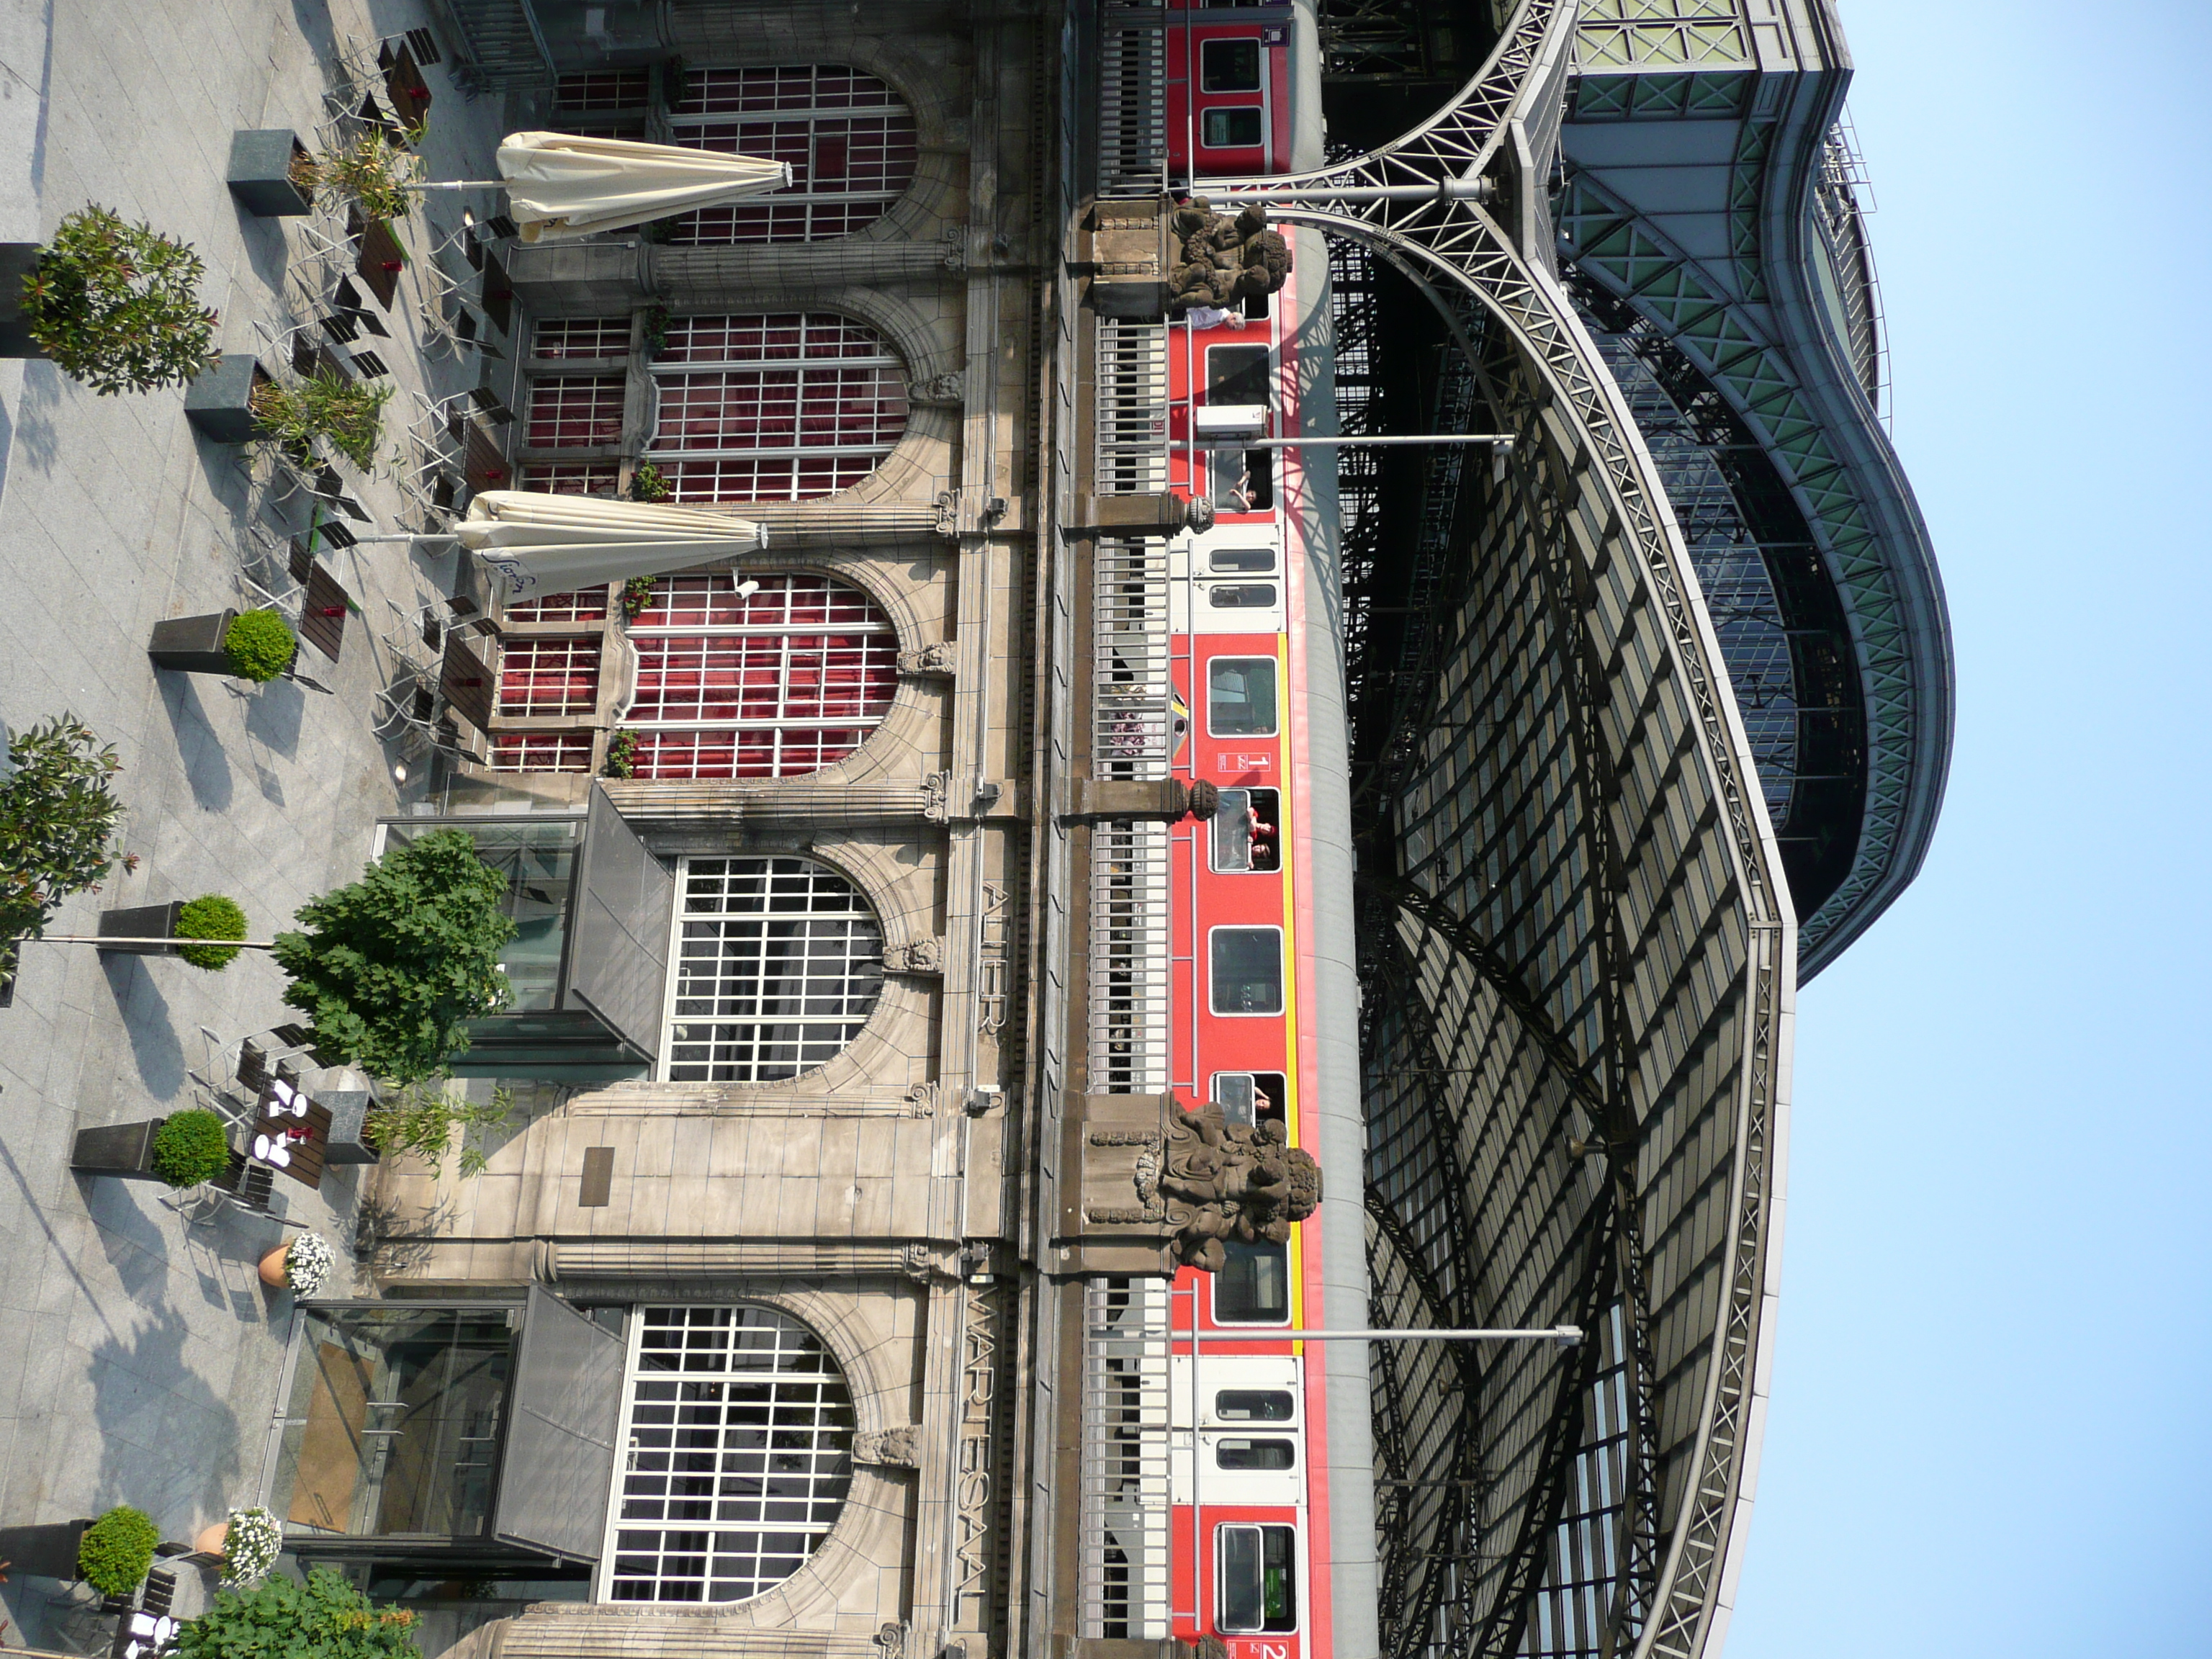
(1991, 1431)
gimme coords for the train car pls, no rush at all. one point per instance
(1249, 1502)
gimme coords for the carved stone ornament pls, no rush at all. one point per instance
(899, 1448)
(943, 390)
(948, 511)
(921, 955)
(1222, 260)
(892, 1637)
(921, 1099)
(936, 794)
(938, 658)
(1225, 1180)
(955, 249)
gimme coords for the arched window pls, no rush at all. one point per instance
(779, 962)
(849, 137)
(774, 405)
(737, 1438)
(772, 684)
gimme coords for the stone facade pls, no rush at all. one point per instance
(871, 1198)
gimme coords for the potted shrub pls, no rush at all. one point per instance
(189, 1147)
(271, 174)
(249, 1543)
(649, 484)
(622, 755)
(303, 1266)
(348, 414)
(149, 1149)
(47, 1551)
(58, 813)
(252, 645)
(115, 305)
(144, 930)
(117, 1550)
(392, 967)
(423, 1119)
(326, 1618)
(210, 917)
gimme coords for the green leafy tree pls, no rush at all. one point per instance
(58, 813)
(392, 967)
(348, 413)
(326, 1618)
(371, 172)
(425, 1119)
(117, 305)
(117, 1550)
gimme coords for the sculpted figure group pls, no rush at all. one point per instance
(1229, 1181)
(1223, 260)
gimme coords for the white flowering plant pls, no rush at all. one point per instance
(309, 1264)
(250, 1547)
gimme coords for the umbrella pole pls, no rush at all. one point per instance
(456, 184)
(444, 536)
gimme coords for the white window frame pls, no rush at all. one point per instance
(669, 1019)
(1282, 969)
(1274, 667)
(603, 1579)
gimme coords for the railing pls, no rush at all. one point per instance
(1122, 1576)
(1128, 1045)
(1133, 100)
(503, 46)
(1131, 408)
(1133, 712)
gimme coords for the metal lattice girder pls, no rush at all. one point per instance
(1417, 200)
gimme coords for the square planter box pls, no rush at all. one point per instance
(343, 1092)
(219, 402)
(141, 921)
(16, 259)
(260, 174)
(48, 1550)
(193, 645)
(125, 1149)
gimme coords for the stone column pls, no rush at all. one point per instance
(833, 525)
(761, 801)
(694, 278)
(578, 1630)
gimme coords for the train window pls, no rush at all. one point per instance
(1229, 65)
(1253, 1405)
(1243, 561)
(1248, 831)
(1242, 1453)
(1243, 480)
(1231, 129)
(1240, 697)
(1253, 1285)
(1255, 305)
(1257, 1586)
(1248, 971)
(1237, 374)
(1242, 596)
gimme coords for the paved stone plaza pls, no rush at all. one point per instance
(142, 1353)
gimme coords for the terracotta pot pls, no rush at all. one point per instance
(210, 1539)
(272, 1266)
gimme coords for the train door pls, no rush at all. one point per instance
(1249, 1435)
(1233, 99)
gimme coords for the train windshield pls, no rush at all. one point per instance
(1253, 1285)
(1258, 1586)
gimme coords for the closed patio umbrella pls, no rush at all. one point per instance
(555, 544)
(560, 186)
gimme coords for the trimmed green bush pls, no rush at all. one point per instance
(210, 916)
(259, 647)
(190, 1147)
(396, 965)
(117, 305)
(117, 1549)
(326, 1618)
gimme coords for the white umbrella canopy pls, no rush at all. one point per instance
(556, 543)
(561, 186)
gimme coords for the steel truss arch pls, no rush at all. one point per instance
(1414, 200)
